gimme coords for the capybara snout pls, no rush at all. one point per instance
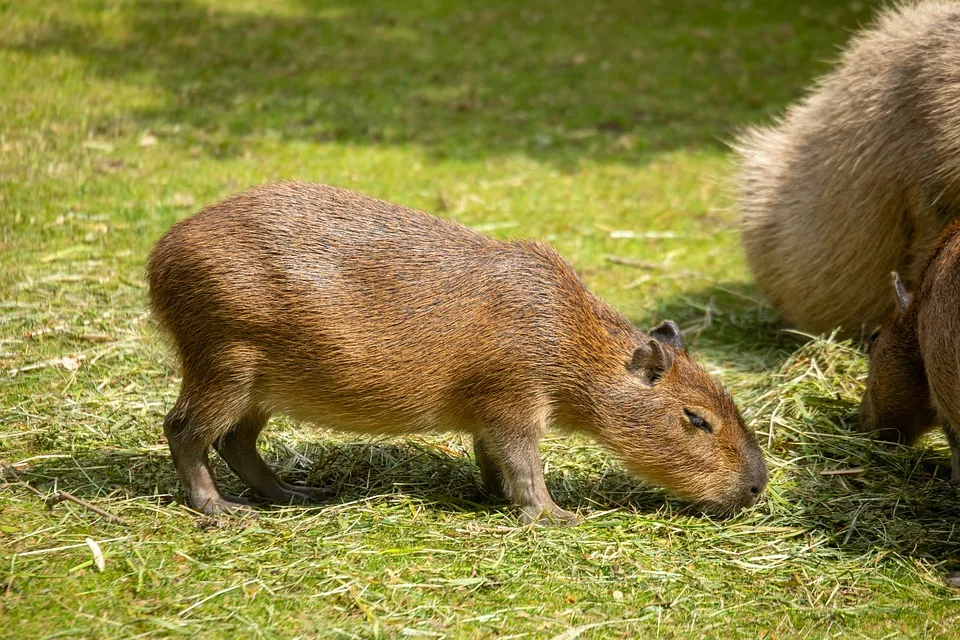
(708, 455)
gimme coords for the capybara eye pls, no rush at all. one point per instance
(872, 339)
(698, 421)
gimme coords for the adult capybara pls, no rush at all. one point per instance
(914, 380)
(860, 177)
(335, 308)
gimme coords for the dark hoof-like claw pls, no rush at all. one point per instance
(227, 505)
(299, 495)
(548, 516)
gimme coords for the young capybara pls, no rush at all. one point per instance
(860, 177)
(914, 379)
(335, 308)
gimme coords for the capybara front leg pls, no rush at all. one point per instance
(954, 439)
(518, 458)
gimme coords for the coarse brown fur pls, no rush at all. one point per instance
(336, 308)
(860, 177)
(914, 380)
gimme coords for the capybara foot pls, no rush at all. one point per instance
(297, 494)
(547, 515)
(226, 505)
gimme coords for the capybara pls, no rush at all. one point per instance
(914, 379)
(860, 177)
(338, 309)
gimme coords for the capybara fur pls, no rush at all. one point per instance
(860, 177)
(335, 308)
(914, 379)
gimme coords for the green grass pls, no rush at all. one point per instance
(561, 121)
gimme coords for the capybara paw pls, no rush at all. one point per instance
(547, 516)
(227, 505)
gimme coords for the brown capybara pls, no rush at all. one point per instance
(914, 380)
(860, 177)
(335, 308)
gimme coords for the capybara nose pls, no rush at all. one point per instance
(752, 496)
(756, 485)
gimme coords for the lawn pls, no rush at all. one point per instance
(600, 127)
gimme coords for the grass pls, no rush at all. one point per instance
(586, 124)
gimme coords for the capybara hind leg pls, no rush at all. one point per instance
(490, 473)
(518, 458)
(239, 449)
(189, 454)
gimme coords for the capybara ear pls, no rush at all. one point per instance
(650, 361)
(668, 333)
(903, 298)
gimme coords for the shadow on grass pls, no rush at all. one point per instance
(893, 498)
(859, 493)
(609, 81)
(355, 471)
(900, 500)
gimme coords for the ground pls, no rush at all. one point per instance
(600, 127)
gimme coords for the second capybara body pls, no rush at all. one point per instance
(860, 177)
(914, 379)
(349, 312)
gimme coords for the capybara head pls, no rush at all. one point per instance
(897, 378)
(674, 425)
